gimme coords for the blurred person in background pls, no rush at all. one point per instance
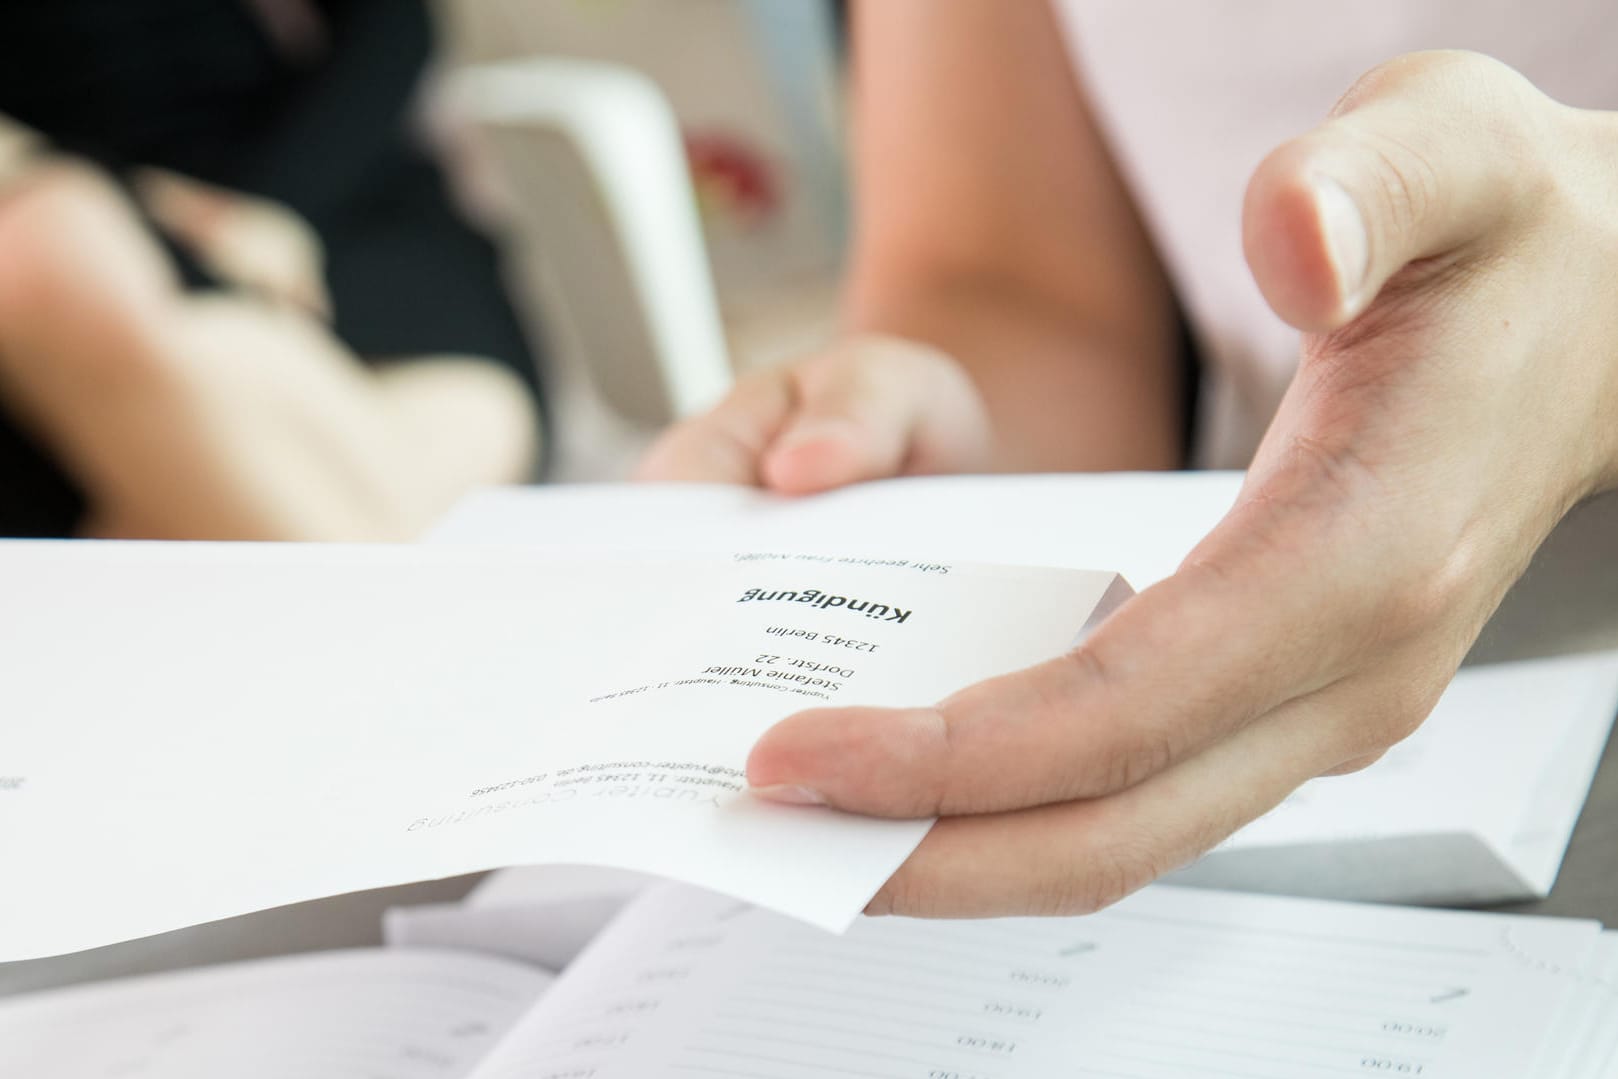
(1404, 307)
(235, 299)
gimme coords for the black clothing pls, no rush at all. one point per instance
(202, 87)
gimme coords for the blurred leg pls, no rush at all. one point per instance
(221, 417)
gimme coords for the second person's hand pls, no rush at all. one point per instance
(866, 408)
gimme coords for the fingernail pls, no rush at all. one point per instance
(790, 795)
(1346, 242)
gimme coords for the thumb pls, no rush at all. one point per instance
(1423, 157)
(860, 411)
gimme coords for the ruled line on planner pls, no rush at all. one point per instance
(1271, 1002)
(835, 969)
(598, 1013)
(986, 954)
(851, 1032)
(1338, 957)
(1413, 1058)
(959, 967)
(1033, 935)
(818, 1067)
(942, 1050)
(1190, 978)
(769, 980)
(933, 997)
(602, 1019)
(845, 1011)
(1212, 1070)
(1008, 975)
(957, 1028)
(1329, 948)
(1228, 928)
(706, 1070)
(1251, 972)
(1267, 1039)
(569, 1040)
(1199, 1007)
(845, 961)
(1248, 1017)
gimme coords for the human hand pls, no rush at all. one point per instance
(867, 408)
(19, 148)
(1447, 240)
(249, 242)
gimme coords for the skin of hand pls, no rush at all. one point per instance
(870, 406)
(222, 416)
(18, 148)
(1447, 239)
(250, 243)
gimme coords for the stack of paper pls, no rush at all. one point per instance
(1476, 807)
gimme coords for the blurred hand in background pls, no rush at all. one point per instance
(235, 300)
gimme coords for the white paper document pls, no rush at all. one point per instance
(1477, 807)
(191, 731)
(1168, 984)
(1139, 525)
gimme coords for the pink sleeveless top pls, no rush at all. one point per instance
(1192, 94)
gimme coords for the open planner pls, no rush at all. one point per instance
(1172, 983)
(1477, 807)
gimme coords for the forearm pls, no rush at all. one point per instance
(1011, 244)
(1060, 396)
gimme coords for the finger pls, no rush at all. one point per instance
(1283, 598)
(866, 411)
(20, 149)
(1078, 857)
(1425, 155)
(726, 443)
(191, 211)
(250, 243)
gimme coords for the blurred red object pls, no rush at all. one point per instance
(732, 178)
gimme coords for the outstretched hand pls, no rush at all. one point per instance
(1447, 240)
